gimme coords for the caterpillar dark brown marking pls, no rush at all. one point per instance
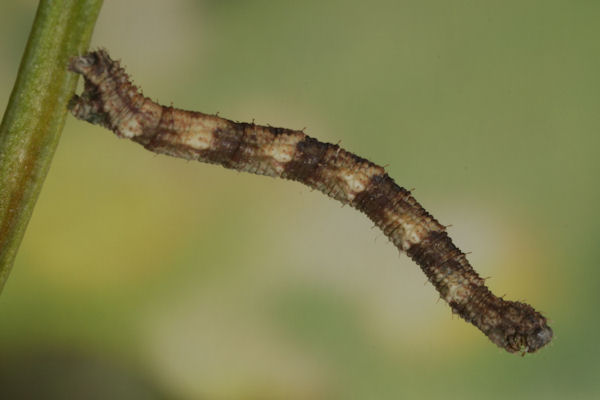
(109, 99)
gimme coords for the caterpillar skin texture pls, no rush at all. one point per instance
(110, 99)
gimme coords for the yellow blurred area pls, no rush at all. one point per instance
(145, 277)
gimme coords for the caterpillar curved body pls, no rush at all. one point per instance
(109, 99)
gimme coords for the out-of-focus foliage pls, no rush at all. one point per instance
(152, 276)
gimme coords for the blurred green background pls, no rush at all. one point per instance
(142, 276)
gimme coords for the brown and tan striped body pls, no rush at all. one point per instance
(110, 100)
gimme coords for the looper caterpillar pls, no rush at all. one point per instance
(109, 99)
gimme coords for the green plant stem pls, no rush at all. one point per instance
(36, 113)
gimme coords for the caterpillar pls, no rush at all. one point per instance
(109, 99)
